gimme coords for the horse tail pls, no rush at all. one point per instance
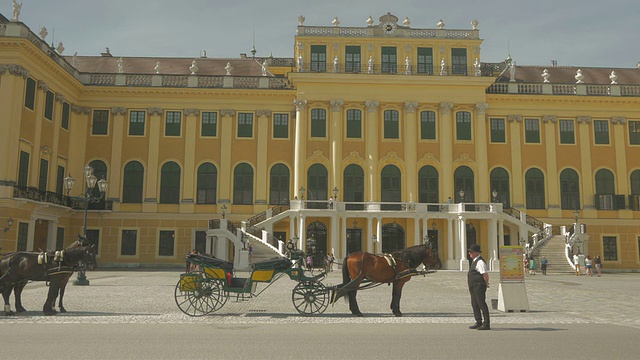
(345, 271)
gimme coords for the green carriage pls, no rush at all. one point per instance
(206, 290)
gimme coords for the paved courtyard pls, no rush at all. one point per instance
(147, 297)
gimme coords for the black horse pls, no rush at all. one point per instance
(395, 269)
(18, 268)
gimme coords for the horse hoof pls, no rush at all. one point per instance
(358, 314)
(20, 309)
(50, 313)
(397, 314)
(8, 313)
(63, 310)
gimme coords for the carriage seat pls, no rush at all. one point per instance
(238, 282)
(276, 263)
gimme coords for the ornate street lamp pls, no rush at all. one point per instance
(494, 193)
(301, 193)
(461, 193)
(86, 197)
(224, 210)
(576, 212)
(335, 193)
(9, 224)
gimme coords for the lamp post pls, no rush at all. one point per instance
(335, 193)
(86, 197)
(461, 193)
(301, 192)
(224, 210)
(494, 193)
(9, 224)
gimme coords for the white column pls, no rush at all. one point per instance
(463, 242)
(450, 251)
(301, 232)
(343, 239)
(369, 233)
(416, 232)
(299, 143)
(493, 251)
(501, 231)
(379, 233)
(335, 239)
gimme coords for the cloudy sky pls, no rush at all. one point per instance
(573, 32)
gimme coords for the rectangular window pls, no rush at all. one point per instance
(352, 59)
(318, 123)
(136, 122)
(66, 108)
(201, 242)
(48, 106)
(497, 130)
(30, 94)
(60, 180)
(166, 243)
(128, 243)
(318, 58)
(391, 124)
(280, 126)
(100, 122)
(425, 61)
(389, 60)
(23, 231)
(23, 170)
(463, 125)
(173, 123)
(610, 248)
(44, 174)
(428, 125)
(532, 131)
(459, 61)
(60, 239)
(567, 132)
(209, 124)
(245, 125)
(634, 132)
(354, 124)
(601, 131)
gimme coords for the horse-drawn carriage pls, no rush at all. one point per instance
(207, 289)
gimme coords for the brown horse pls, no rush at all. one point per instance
(18, 268)
(395, 269)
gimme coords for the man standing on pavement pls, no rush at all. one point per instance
(478, 279)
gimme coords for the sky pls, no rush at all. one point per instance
(534, 32)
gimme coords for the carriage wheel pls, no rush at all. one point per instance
(199, 296)
(310, 297)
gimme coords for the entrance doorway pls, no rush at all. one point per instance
(40, 235)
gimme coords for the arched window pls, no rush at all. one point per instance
(500, 183)
(391, 181)
(170, 183)
(353, 187)
(392, 238)
(100, 172)
(534, 183)
(243, 184)
(464, 184)
(569, 190)
(279, 185)
(207, 184)
(132, 185)
(317, 181)
(428, 185)
(604, 198)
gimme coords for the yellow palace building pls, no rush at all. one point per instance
(374, 138)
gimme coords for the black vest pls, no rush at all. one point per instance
(474, 277)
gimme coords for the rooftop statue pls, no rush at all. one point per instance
(43, 32)
(16, 11)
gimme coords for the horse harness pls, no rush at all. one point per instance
(402, 274)
(58, 265)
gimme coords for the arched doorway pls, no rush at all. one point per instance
(471, 237)
(317, 242)
(392, 238)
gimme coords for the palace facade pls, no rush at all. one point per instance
(369, 138)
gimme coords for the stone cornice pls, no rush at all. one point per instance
(118, 110)
(191, 111)
(14, 69)
(155, 111)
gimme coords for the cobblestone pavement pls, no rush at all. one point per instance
(147, 296)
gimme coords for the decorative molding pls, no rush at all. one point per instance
(266, 113)
(391, 158)
(118, 110)
(336, 105)
(585, 118)
(300, 104)
(354, 157)
(446, 107)
(464, 159)
(80, 109)
(192, 111)
(155, 111)
(14, 69)
(318, 156)
(428, 158)
(43, 86)
(45, 150)
(59, 98)
(516, 118)
(410, 106)
(372, 105)
(481, 108)
(229, 112)
(547, 118)
(619, 120)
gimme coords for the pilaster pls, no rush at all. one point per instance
(446, 149)
(586, 170)
(516, 158)
(226, 137)
(115, 170)
(336, 143)
(34, 167)
(551, 184)
(150, 203)
(410, 150)
(187, 204)
(299, 155)
(371, 145)
(484, 189)
(262, 172)
(11, 90)
(618, 124)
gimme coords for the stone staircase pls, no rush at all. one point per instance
(554, 250)
(261, 252)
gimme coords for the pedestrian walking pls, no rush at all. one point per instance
(588, 265)
(532, 266)
(478, 281)
(543, 265)
(576, 263)
(309, 262)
